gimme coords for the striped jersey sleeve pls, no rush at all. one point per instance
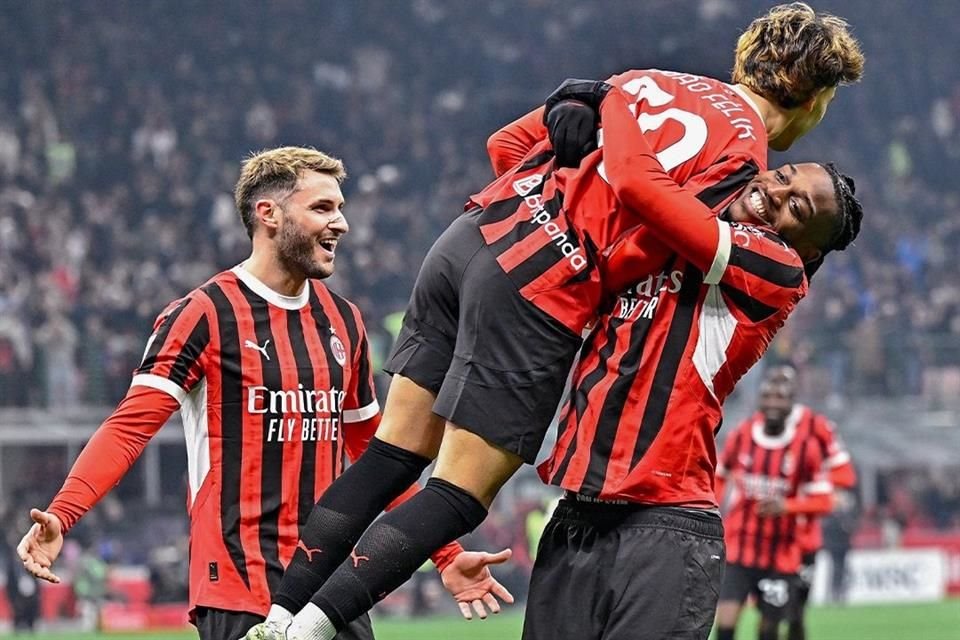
(360, 403)
(172, 359)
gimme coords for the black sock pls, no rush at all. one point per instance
(724, 633)
(395, 546)
(769, 629)
(796, 631)
(342, 514)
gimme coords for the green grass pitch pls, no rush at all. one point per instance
(939, 621)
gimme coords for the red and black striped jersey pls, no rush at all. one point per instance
(269, 386)
(647, 391)
(547, 226)
(837, 463)
(757, 466)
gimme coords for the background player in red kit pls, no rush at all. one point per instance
(775, 464)
(809, 531)
(490, 399)
(271, 373)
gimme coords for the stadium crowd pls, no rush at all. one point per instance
(119, 145)
(121, 134)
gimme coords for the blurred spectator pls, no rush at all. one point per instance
(120, 131)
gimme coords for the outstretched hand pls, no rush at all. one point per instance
(469, 581)
(41, 545)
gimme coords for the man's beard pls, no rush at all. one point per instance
(295, 250)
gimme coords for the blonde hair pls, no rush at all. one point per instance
(277, 171)
(792, 52)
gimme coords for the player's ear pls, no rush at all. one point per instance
(811, 103)
(267, 213)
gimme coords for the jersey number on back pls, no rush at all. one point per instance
(694, 127)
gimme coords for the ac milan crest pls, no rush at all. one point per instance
(338, 350)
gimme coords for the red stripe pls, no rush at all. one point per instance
(339, 324)
(176, 339)
(494, 231)
(325, 472)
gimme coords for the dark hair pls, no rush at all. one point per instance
(847, 223)
(792, 51)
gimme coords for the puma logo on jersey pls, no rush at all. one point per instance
(356, 559)
(250, 344)
(308, 551)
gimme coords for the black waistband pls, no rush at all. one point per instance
(607, 514)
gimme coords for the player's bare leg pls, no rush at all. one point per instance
(408, 419)
(470, 471)
(407, 439)
(473, 464)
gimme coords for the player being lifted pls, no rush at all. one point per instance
(495, 317)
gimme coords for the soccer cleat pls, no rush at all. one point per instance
(269, 631)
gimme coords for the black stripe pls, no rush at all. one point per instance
(160, 337)
(778, 273)
(758, 539)
(754, 309)
(541, 158)
(350, 321)
(197, 341)
(525, 228)
(611, 413)
(335, 370)
(610, 418)
(337, 373)
(274, 433)
(669, 362)
(365, 391)
(791, 532)
(500, 210)
(231, 427)
(579, 392)
(715, 194)
(308, 457)
(748, 447)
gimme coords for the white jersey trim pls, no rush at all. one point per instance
(291, 303)
(722, 258)
(785, 437)
(818, 487)
(361, 414)
(196, 433)
(837, 459)
(717, 326)
(746, 98)
(159, 383)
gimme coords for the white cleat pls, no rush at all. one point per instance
(269, 631)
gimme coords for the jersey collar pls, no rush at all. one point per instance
(291, 303)
(783, 439)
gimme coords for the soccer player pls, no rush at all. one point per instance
(635, 550)
(809, 531)
(776, 463)
(271, 374)
(496, 315)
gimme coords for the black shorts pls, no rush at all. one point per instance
(625, 572)
(774, 591)
(497, 363)
(217, 624)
